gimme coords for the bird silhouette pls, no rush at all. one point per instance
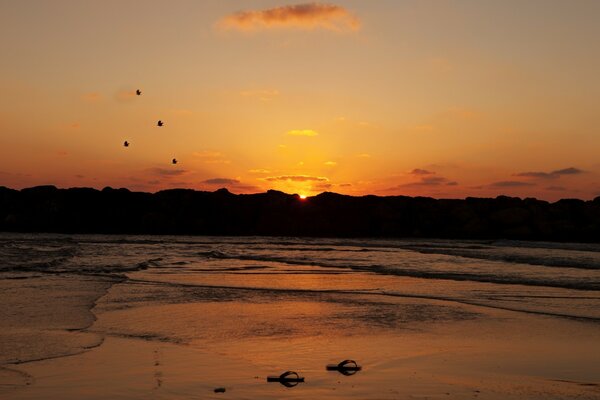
(174, 161)
(138, 92)
(159, 123)
(126, 143)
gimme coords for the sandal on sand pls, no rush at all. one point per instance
(288, 378)
(346, 367)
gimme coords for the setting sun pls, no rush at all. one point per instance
(351, 125)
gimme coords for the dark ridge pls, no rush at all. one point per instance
(190, 212)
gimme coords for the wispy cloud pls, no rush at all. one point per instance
(508, 184)
(330, 163)
(419, 171)
(232, 184)
(322, 186)
(263, 95)
(167, 172)
(221, 181)
(211, 157)
(551, 175)
(302, 132)
(430, 181)
(125, 95)
(259, 171)
(92, 97)
(307, 16)
(296, 178)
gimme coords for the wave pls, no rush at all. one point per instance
(578, 284)
(62, 265)
(582, 261)
(359, 292)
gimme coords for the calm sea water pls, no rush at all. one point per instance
(549, 278)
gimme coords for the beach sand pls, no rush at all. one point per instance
(136, 339)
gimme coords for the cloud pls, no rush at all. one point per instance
(302, 132)
(330, 163)
(430, 181)
(221, 181)
(167, 172)
(232, 184)
(322, 186)
(418, 171)
(92, 97)
(259, 171)
(125, 95)
(462, 113)
(542, 175)
(505, 184)
(307, 16)
(363, 155)
(568, 171)
(263, 95)
(550, 175)
(556, 188)
(296, 178)
(211, 157)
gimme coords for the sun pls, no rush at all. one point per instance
(302, 197)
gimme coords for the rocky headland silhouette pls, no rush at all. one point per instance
(191, 212)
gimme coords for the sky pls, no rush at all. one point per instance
(443, 98)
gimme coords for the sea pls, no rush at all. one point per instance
(63, 294)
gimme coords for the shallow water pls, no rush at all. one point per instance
(267, 303)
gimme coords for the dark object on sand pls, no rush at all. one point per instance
(138, 92)
(346, 367)
(126, 143)
(220, 390)
(174, 161)
(288, 378)
(159, 123)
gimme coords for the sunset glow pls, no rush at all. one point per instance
(410, 98)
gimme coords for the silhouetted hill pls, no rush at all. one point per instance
(185, 211)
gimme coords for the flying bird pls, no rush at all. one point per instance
(126, 143)
(174, 161)
(138, 92)
(159, 123)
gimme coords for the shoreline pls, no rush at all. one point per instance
(175, 320)
(189, 370)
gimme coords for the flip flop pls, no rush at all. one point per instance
(346, 367)
(288, 378)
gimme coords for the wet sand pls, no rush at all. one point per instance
(169, 342)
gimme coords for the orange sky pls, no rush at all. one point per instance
(433, 98)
